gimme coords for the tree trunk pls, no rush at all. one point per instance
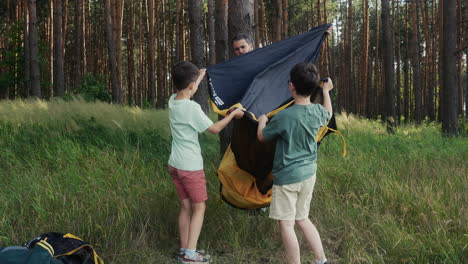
(34, 46)
(141, 75)
(449, 69)
(211, 33)
(117, 20)
(198, 52)
(319, 15)
(59, 79)
(84, 64)
(240, 19)
(77, 74)
(397, 27)
(161, 53)
(256, 25)
(222, 45)
(151, 54)
(388, 51)
(441, 60)
(179, 31)
(415, 63)
(27, 51)
(285, 19)
(263, 26)
(406, 112)
(115, 83)
(50, 51)
(365, 57)
(372, 98)
(279, 20)
(349, 60)
(131, 54)
(459, 57)
(429, 81)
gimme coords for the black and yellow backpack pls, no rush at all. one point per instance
(51, 248)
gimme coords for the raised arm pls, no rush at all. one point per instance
(327, 87)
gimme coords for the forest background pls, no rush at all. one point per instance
(401, 59)
(98, 170)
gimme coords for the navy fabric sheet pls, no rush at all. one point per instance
(259, 79)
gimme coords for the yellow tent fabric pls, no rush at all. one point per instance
(238, 186)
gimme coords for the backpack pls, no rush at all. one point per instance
(67, 248)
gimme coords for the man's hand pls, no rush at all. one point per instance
(328, 85)
(329, 30)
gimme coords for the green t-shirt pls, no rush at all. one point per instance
(295, 130)
(187, 119)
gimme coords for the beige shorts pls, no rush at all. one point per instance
(292, 201)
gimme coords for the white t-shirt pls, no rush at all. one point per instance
(187, 119)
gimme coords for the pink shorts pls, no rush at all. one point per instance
(189, 184)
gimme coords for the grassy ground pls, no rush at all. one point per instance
(99, 171)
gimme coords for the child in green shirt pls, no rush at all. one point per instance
(295, 162)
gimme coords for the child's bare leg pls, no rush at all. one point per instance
(313, 238)
(290, 241)
(185, 216)
(196, 223)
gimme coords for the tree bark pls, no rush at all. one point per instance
(263, 26)
(372, 98)
(285, 19)
(397, 27)
(27, 51)
(59, 79)
(365, 57)
(459, 57)
(77, 73)
(141, 73)
(151, 54)
(211, 33)
(256, 24)
(388, 51)
(115, 83)
(197, 49)
(131, 54)
(279, 20)
(350, 60)
(441, 60)
(117, 20)
(240, 19)
(161, 53)
(429, 81)
(34, 46)
(406, 97)
(415, 63)
(449, 69)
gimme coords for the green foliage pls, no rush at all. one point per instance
(99, 171)
(463, 127)
(93, 89)
(12, 56)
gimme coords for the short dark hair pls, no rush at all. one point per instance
(305, 78)
(245, 37)
(183, 73)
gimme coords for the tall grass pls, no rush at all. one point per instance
(99, 171)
